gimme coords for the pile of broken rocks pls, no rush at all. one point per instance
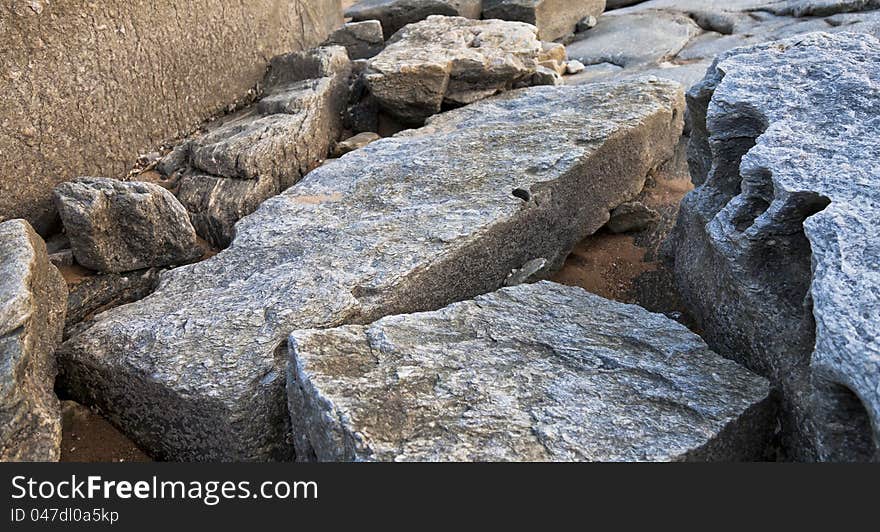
(261, 300)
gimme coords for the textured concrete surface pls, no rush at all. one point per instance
(87, 86)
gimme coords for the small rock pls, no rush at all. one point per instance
(554, 18)
(395, 14)
(574, 67)
(455, 61)
(539, 372)
(62, 258)
(117, 226)
(632, 216)
(32, 302)
(354, 143)
(586, 23)
(362, 40)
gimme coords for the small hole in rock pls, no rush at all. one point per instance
(522, 194)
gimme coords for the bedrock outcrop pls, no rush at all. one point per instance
(777, 249)
(33, 297)
(538, 372)
(409, 223)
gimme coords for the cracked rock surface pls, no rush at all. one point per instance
(33, 296)
(777, 249)
(453, 61)
(539, 372)
(395, 14)
(554, 19)
(247, 157)
(195, 371)
(117, 226)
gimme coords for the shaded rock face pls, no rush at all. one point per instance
(195, 371)
(254, 154)
(454, 61)
(32, 302)
(105, 291)
(678, 39)
(124, 79)
(362, 40)
(777, 249)
(117, 226)
(540, 372)
(554, 18)
(395, 14)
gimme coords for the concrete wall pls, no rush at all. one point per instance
(86, 86)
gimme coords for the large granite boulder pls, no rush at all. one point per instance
(247, 157)
(119, 226)
(540, 372)
(553, 18)
(453, 61)
(195, 371)
(777, 250)
(32, 302)
(395, 14)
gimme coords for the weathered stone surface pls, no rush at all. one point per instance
(554, 18)
(395, 14)
(540, 372)
(252, 155)
(777, 249)
(117, 226)
(104, 291)
(632, 216)
(355, 142)
(455, 61)
(413, 222)
(362, 40)
(116, 79)
(32, 299)
(614, 4)
(813, 8)
(636, 39)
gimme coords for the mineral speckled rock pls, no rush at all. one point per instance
(117, 226)
(540, 372)
(455, 61)
(104, 291)
(32, 301)
(395, 14)
(255, 154)
(362, 40)
(413, 222)
(778, 249)
(554, 18)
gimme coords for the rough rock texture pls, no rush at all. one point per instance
(540, 372)
(88, 85)
(632, 216)
(554, 18)
(247, 157)
(454, 61)
(395, 14)
(195, 371)
(614, 4)
(777, 250)
(678, 39)
(355, 142)
(362, 40)
(101, 292)
(32, 300)
(117, 226)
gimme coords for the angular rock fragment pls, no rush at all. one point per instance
(632, 216)
(413, 222)
(354, 143)
(454, 61)
(777, 250)
(32, 301)
(362, 40)
(255, 154)
(554, 18)
(101, 292)
(117, 226)
(395, 14)
(540, 372)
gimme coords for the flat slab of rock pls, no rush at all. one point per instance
(254, 154)
(778, 249)
(118, 226)
(362, 40)
(540, 372)
(454, 61)
(554, 18)
(413, 222)
(395, 14)
(33, 296)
